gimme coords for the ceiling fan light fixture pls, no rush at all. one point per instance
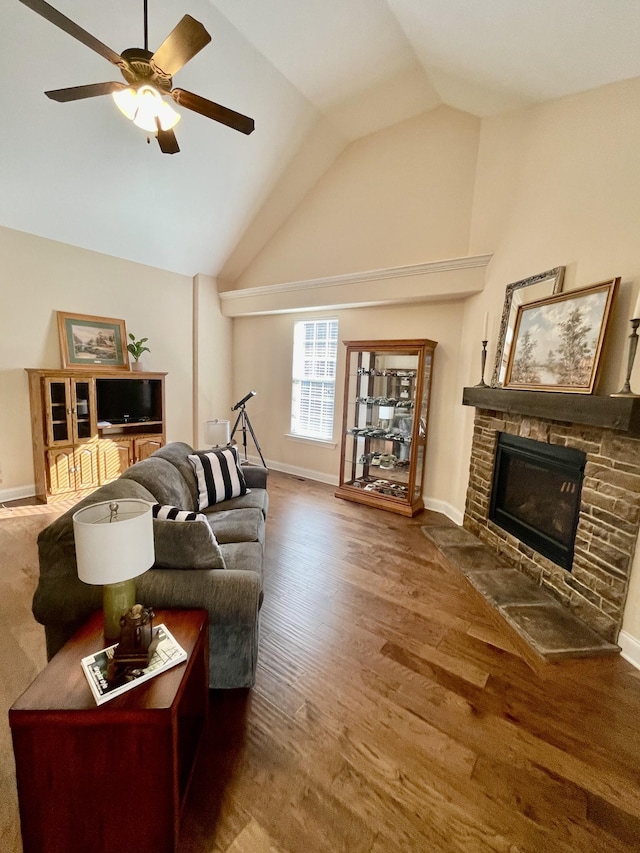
(143, 106)
(127, 102)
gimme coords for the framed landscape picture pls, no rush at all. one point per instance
(558, 341)
(518, 293)
(92, 342)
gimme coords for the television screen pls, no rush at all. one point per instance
(128, 400)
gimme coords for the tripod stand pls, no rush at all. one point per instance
(243, 421)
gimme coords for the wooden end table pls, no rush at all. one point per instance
(114, 776)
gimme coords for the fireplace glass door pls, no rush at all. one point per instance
(536, 495)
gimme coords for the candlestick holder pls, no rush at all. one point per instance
(482, 383)
(633, 346)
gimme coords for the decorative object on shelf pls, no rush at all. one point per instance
(136, 348)
(217, 432)
(558, 341)
(483, 356)
(633, 346)
(97, 343)
(114, 545)
(520, 293)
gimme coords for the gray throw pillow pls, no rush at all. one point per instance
(188, 545)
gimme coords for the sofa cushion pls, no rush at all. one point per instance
(186, 546)
(254, 499)
(163, 480)
(218, 475)
(238, 525)
(172, 513)
(177, 453)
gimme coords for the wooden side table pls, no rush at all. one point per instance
(115, 776)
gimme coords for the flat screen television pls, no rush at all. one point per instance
(122, 401)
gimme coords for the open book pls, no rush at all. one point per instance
(168, 653)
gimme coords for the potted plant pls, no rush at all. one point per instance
(136, 348)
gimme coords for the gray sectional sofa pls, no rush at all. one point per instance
(217, 566)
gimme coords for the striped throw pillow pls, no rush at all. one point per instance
(219, 476)
(172, 513)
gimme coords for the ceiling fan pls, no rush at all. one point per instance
(148, 77)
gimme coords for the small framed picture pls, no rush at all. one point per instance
(92, 342)
(558, 341)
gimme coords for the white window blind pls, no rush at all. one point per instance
(315, 350)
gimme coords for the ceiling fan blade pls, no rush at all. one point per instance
(167, 141)
(186, 39)
(210, 110)
(59, 20)
(77, 93)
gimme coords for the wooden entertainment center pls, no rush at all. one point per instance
(75, 448)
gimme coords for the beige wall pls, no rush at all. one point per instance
(213, 365)
(560, 184)
(557, 184)
(400, 196)
(40, 277)
(263, 355)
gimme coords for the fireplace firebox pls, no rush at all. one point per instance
(536, 494)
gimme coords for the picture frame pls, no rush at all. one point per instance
(94, 343)
(518, 293)
(558, 341)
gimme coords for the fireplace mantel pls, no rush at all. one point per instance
(619, 413)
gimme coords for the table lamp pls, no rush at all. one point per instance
(216, 432)
(114, 544)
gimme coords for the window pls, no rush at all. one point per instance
(315, 349)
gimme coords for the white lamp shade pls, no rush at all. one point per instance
(114, 540)
(216, 432)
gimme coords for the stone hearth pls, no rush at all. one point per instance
(534, 616)
(596, 589)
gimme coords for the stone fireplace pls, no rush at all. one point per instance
(605, 431)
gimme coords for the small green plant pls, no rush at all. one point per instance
(136, 348)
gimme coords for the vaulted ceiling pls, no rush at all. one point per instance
(305, 70)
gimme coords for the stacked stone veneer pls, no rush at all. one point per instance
(596, 588)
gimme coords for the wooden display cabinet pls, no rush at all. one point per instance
(74, 452)
(387, 394)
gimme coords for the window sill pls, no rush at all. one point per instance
(305, 439)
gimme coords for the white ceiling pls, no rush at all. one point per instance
(81, 174)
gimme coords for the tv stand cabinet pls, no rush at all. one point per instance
(73, 452)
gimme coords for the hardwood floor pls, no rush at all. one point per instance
(392, 712)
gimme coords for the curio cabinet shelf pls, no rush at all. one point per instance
(385, 421)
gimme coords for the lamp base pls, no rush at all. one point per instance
(117, 598)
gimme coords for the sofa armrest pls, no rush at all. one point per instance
(231, 596)
(255, 475)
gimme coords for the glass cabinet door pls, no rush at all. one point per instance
(82, 404)
(385, 417)
(58, 411)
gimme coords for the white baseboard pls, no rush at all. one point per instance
(17, 493)
(305, 473)
(445, 508)
(630, 648)
(430, 503)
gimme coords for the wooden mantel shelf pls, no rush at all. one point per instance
(620, 413)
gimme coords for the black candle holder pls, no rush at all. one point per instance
(633, 346)
(482, 383)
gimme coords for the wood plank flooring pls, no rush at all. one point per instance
(392, 712)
